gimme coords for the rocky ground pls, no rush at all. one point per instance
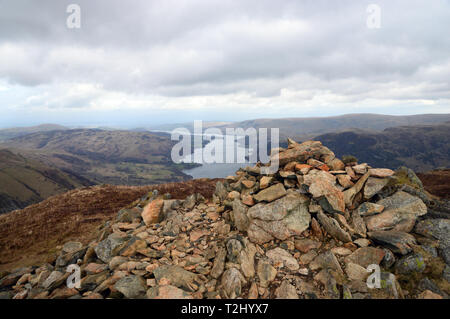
(309, 230)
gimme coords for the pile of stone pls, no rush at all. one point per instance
(314, 229)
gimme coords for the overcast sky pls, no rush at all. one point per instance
(137, 63)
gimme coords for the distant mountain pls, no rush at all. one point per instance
(24, 181)
(306, 128)
(111, 157)
(21, 131)
(420, 147)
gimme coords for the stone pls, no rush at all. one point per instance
(398, 242)
(265, 182)
(94, 268)
(177, 276)
(362, 242)
(232, 281)
(437, 229)
(356, 272)
(279, 256)
(219, 263)
(303, 168)
(239, 215)
(302, 152)
(286, 291)
(409, 264)
(197, 234)
(329, 197)
(305, 244)
(336, 164)
(326, 260)
(280, 219)
(400, 213)
(369, 209)
(366, 256)
(409, 174)
(54, 280)
(332, 227)
(349, 194)
(266, 273)
(233, 195)
(361, 169)
(248, 200)
(220, 191)
(131, 286)
(152, 212)
(270, 194)
(427, 294)
(359, 225)
(253, 291)
(381, 172)
(373, 186)
(341, 251)
(345, 181)
(109, 247)
(305, 259)
(167, 292)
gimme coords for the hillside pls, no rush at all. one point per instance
(24, 181)
(21, 131)
(306, 128)
(309, 230)
(30, 235)
(421, 147)
(111, 157)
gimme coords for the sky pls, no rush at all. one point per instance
(138, 63)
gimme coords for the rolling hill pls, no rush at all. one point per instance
(111, 157)
(8, 133)
(24, 181)
(306, 128)
(420, 147)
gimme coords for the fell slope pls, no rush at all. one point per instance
(24, 181)
(30, 235)
(110, 157)
(422, 147)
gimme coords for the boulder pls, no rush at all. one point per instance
(398, 242)
(400, 213)
(280, 219)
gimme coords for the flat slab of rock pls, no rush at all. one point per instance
(333, 228)
(280, 256)
(270, 194)
(398, 242)
(280, 219)
(400, 213)
(373, 186)
(366, 256)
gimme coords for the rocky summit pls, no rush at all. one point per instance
(316, 228)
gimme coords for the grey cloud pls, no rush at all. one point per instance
(178, 48)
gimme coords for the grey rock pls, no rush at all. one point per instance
(373, 186)
(413, 263)
(108, 248)
(333, 228)
(232, 281)
(131, 286)
(239, 215)
(271, 193)
(398, 242)
(400, 213)
(177, 276)
(266, 273)
(286, 291)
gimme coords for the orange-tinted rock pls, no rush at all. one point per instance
(152, 212)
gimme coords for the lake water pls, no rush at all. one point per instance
(218, 170)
